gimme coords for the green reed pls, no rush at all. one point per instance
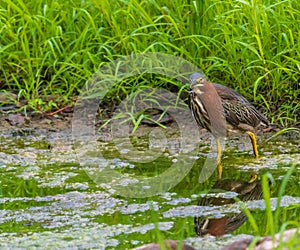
(53, 47)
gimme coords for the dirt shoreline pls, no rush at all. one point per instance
(62, 121)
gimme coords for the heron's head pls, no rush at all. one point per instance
(197, 78)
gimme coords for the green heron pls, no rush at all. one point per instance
(213, 104)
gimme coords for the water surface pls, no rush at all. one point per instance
(49, 197)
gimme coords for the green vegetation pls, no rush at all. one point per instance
(272, 222)
(49, 49)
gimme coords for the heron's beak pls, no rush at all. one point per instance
(196, 81)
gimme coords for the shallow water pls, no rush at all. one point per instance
(108, 196)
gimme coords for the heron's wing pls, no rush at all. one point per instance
(238, 109)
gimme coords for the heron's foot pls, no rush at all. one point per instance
(253, 178)
(254, 143)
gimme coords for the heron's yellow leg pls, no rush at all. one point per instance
(219, 151)
(255, 151)
(254, 143)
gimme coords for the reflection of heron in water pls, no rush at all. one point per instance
(218, 226)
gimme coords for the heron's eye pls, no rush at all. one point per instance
(200, 79)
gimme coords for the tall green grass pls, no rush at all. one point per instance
(273, 218)
(52, 47)
(275, 221)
